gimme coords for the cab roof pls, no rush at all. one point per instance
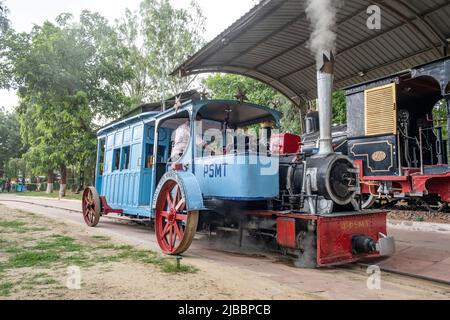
(236, 113)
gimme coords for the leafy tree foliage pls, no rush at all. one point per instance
(73, 74)
(339, 108)
(4, 22)
(14, 168)
(10, 142)
(225, 86)
(157, 40)
(67, 74)
(440, 116)
(4, 27)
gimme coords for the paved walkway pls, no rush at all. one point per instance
(422, 253)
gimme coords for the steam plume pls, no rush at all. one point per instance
(322, 15)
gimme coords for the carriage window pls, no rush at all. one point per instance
(101, 156)
(125, 158)
(116, 159)
(148, 155)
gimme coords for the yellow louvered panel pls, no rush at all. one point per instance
(380, 110)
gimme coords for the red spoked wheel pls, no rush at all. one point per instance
(175, 227)
(91, 206)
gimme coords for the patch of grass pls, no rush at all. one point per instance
(32, 258)
(419, 218)
(8, 226)
(167, 265)
(114, 247)
(38, 229)
(81, 260)
(106, 246)
(5, 288)
(60, 244)
(69, 195)
(172, 267)
(11, 248)
(11, 224)
(125, 247)
(101, 238)
(56, 249)
(29, 214)
(41, 278)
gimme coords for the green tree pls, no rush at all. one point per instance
(69, 74)
(4, 21)
(440, 116)
(156, 41)
(16, 168)
(4, 27)
(225, 86)
(339, 108)
(10, 142)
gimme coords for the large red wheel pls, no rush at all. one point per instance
(175, 227)
(91, 206)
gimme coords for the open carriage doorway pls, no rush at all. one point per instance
(172, 143)
(100, 163)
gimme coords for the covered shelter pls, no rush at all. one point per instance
(270, 44)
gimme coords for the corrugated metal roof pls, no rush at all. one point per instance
(270, 43)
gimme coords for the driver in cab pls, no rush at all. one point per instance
(181, 138)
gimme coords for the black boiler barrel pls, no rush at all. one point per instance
(332, 176)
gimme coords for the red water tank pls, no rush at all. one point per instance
(285, 143)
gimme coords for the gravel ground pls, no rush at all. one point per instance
(441, 217)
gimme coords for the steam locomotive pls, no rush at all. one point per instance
(393, 138)
(306, 203)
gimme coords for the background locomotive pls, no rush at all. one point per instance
(393, 139)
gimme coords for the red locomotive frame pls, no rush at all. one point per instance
(334, 233)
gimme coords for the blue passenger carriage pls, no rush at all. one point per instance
(134, 162)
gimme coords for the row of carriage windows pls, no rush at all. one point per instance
(122, 157)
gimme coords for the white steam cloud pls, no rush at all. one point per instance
(322, 15)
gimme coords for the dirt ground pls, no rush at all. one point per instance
(103, 275)
(36, 251)
(435, 217)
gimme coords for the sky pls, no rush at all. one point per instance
(24, 13)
